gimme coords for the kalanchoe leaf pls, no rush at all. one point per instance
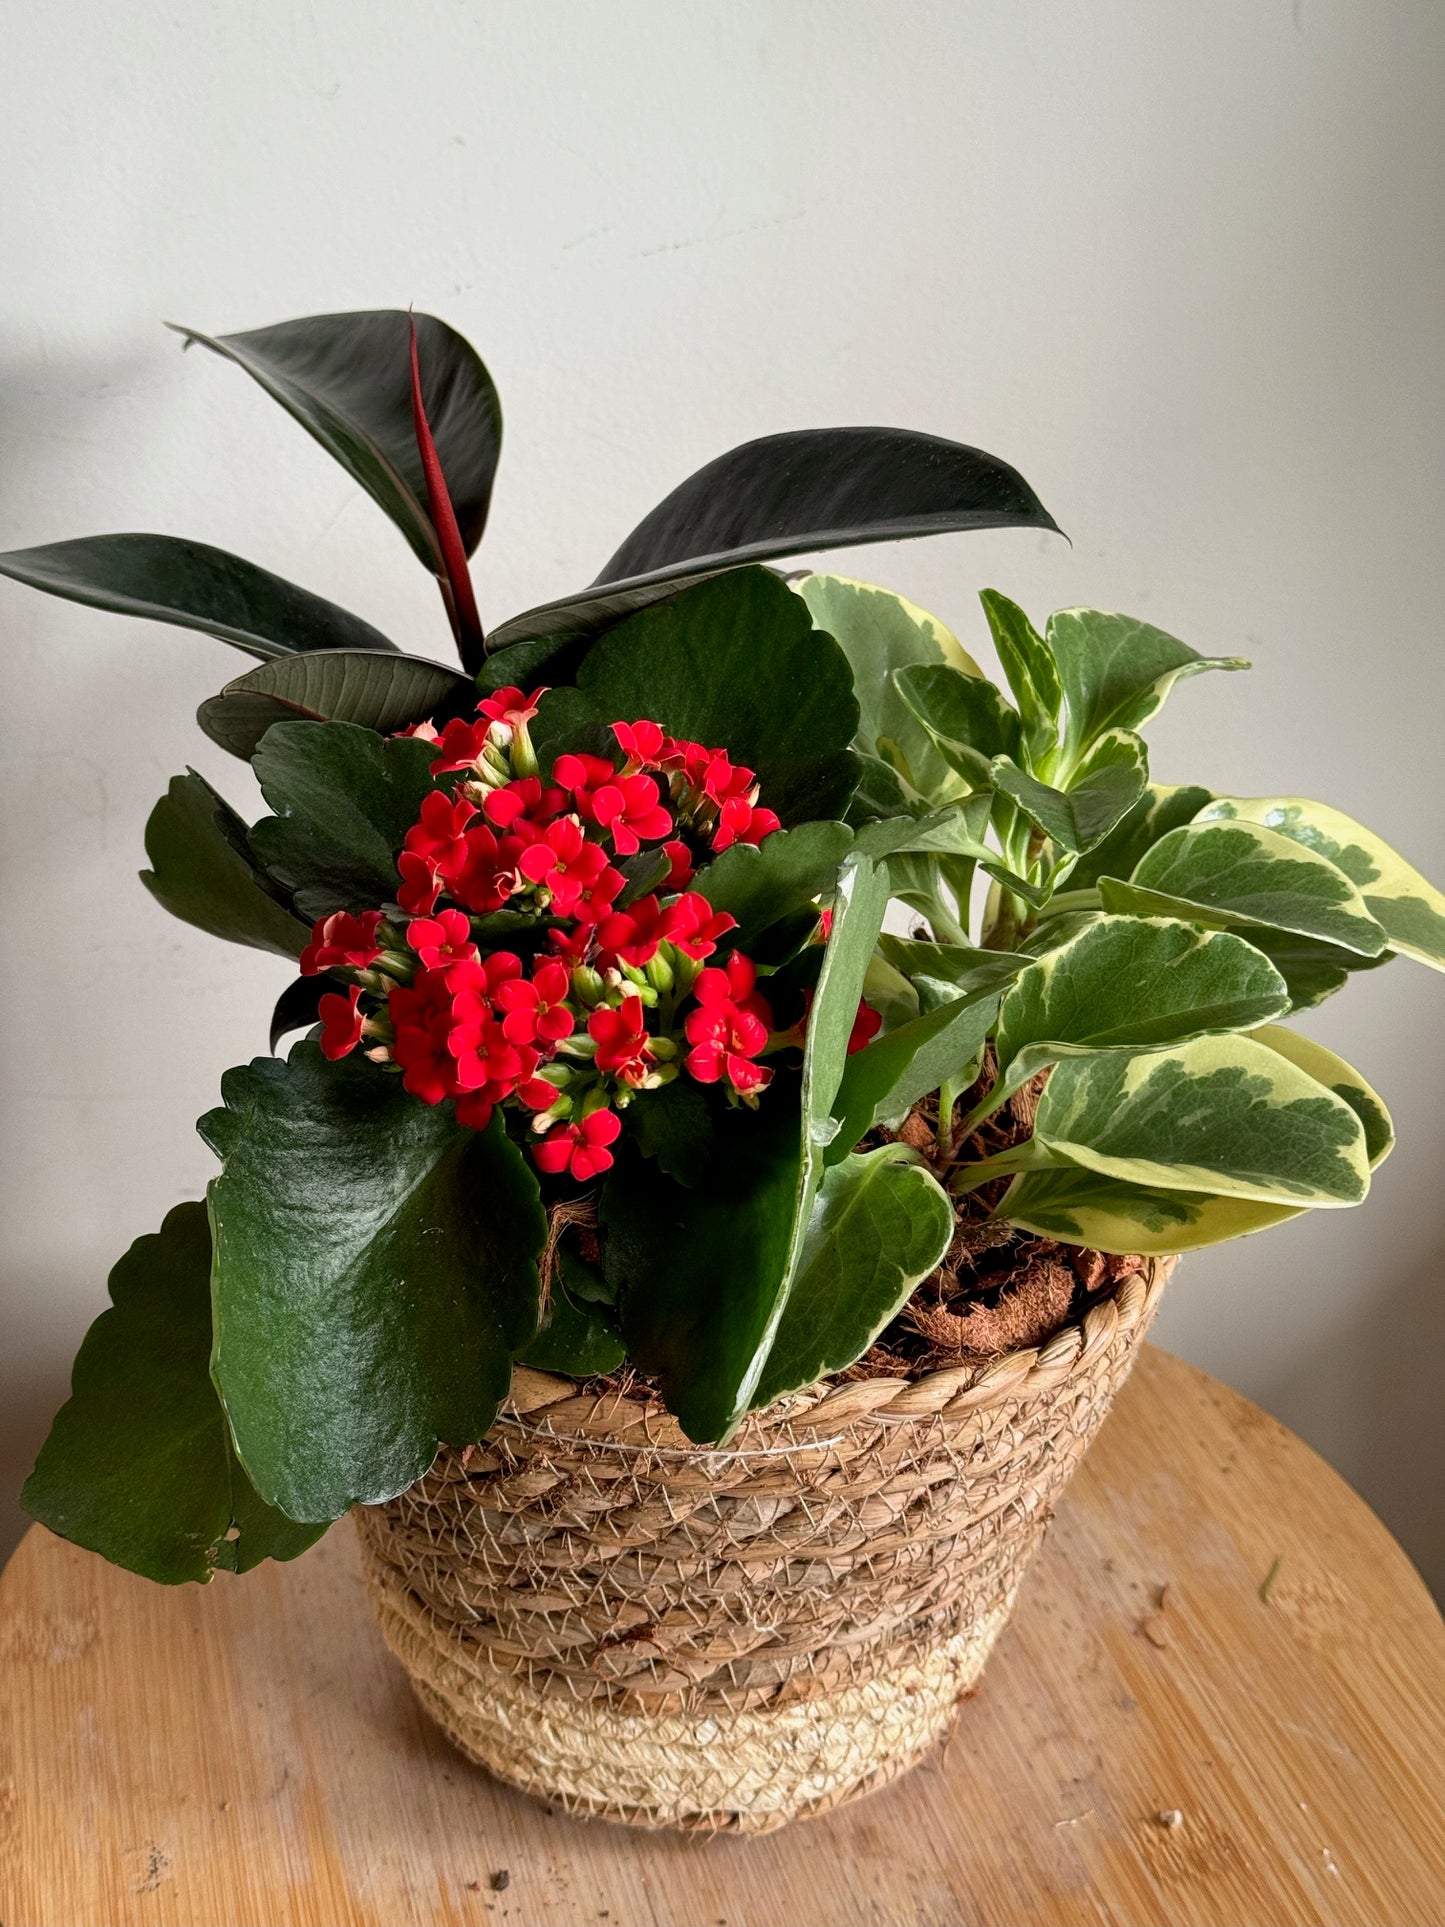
(674, 1126)
(384, 693)
(375, 1270)
(1408, 907)
(203, 873)
(1103, 788)
(346, 379)
(1242, 875)
(138, 1465)
(193, 586)
(455, 578)
(344, 800)
(736, 663)
(880, 1225)
(879, 632)
(811, 489)
(760, 883)
(1115, 671)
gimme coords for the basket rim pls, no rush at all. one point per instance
(549, 1404)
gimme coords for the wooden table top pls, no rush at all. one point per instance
(1222, 1700)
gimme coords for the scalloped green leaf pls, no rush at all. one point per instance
(138, 1465)
(375, 1270)
(203, 872)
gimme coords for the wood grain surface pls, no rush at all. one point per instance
(1222, 1701)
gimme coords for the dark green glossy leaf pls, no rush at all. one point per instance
(138, 1465)
(674, 1126)
(193, 586)
(966, 716)
(880, 1224)
(375, 1271)
(790, 494)
(887, 1077)
(579, 1337)
(298, 1006)
(759, 883)
(1103, 788)
(1244, 875)
(736, 664)
(346, 379)
(344, 799)
(203, 873)
(1115, 671)
(384, 693)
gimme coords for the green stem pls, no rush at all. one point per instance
(948, 1095)
(1006, 1165)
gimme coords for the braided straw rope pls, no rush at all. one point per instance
(635, 1627)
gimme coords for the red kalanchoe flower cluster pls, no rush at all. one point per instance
(608, 999)
(729, 1027)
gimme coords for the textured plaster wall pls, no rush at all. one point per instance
(1182, 264)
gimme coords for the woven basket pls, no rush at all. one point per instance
(635, 1627)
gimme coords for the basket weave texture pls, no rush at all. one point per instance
(635, 1627)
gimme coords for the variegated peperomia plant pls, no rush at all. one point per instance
(634, 955)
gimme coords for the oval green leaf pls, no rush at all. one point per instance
(384, 693)
(204, 873)
(1115, 671)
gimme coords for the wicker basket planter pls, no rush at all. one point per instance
(634, 1627)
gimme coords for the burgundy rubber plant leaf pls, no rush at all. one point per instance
(456, 585)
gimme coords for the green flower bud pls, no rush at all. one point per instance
(659, 971)
(587, 986)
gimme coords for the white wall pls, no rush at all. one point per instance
(1182, 264)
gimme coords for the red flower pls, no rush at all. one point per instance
(460, 745)
(523, 805)
(866, 1026)
(486, 874)
(622, 1042)
(680, 857)
(633, 934)
(579, 1148)
(474, 1109)
(342, 942)
(443, 939)
(424, 731)
(510, 706)
(341, 1022)
(642, 742)
(825, 926)
(742, 822)
(538, 1009)
(626, 806)
(693, 926)
(420, 885)
(438, 831)
(725, 781)
(575, 872)
(421, 1015)
(729, 1027)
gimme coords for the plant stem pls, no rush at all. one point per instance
(948, 1094)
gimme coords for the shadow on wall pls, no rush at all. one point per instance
(1379, 1385)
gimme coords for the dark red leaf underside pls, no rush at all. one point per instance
(456, 585)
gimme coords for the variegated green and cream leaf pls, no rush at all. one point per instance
(1028, 662)
(1243, 875)
(1162, 807)
(1406, 905)
(1226, 1115)
(1109, 1214)
(965, 716)
(1115, 671)
(1123, 983)
(1103, 788)
(879, 632)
